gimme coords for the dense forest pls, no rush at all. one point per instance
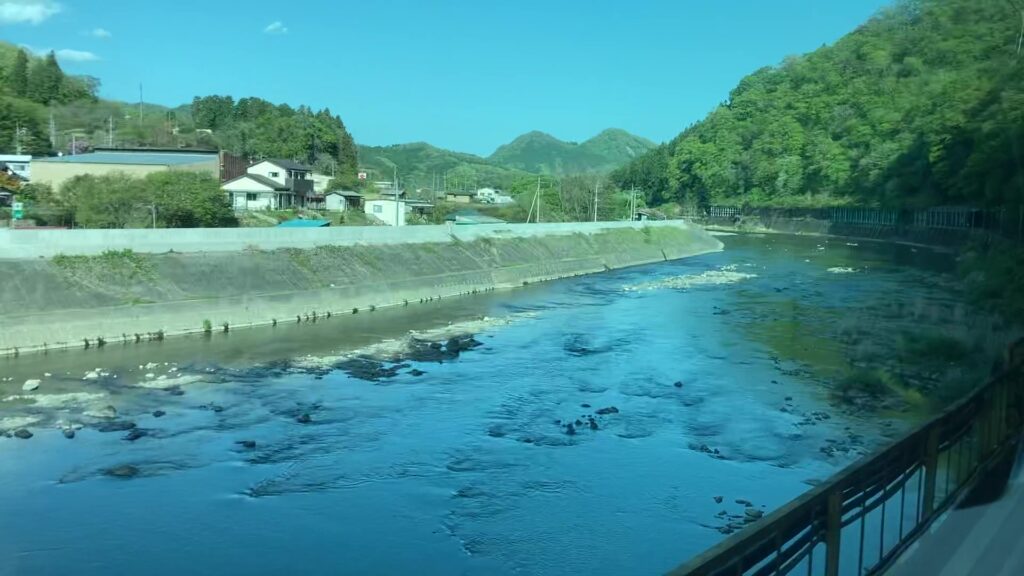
(921, 106)
(255, 128)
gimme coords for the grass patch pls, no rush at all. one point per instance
(121, 264)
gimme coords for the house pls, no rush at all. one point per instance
(135, 162)
(472, 217)
(341, 200)
(390, 194)
(320, 182)
(493, 196)
(18, 164)
(459, 197)
(387, 211)
(273, 185)
(300, 223)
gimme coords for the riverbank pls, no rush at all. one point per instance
(92, 298)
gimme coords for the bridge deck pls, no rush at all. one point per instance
(982, 536)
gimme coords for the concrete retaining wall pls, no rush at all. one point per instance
(61, 302)
(49, 243)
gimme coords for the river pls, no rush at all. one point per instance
(589, 432)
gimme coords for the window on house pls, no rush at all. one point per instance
(377, 209)
(250, 197)
(274, 174)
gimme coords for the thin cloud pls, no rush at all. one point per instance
(276, 28)
(69, 55)
(64, 54)
(27, 11)
(102, 33)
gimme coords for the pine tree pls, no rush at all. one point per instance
(45, 80)
(18, 80)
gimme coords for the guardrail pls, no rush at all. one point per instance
(864, 517)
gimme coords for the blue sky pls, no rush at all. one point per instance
(462, 74)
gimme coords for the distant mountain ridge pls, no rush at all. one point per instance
(541, 153)
(423, 165)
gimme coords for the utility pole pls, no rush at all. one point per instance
(74, 143)
(597, 188)
(17, 137)
(53, 131)
(110, 132)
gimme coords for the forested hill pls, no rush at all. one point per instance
(421, 165)
(922, 105)
(541, 153)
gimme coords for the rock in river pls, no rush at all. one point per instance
(607, 411)
(134, 434)
(69, 433)
(159, 414)
(718, 499)
(247, 444)
(105, 412)
(116, 426)
(304, 419)
(23, 434)
(123, 471)
(31, 385)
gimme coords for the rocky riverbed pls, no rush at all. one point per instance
(613, 424)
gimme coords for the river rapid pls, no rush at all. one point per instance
(598, 425)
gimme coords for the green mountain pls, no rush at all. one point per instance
(421, 165)
(922, 105)
(541, 153)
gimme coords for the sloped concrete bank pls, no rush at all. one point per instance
(97, 298)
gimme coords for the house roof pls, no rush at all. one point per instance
(288, 164)
(457, 193)
(134, 158)
(263, 180)
(304, 224)
(345, 193)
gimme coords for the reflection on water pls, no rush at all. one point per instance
(593, 435)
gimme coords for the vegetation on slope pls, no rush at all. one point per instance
(421, 165)
(923, 105)
(541, 153)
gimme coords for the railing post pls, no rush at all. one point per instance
(833, 532)
(931, 472)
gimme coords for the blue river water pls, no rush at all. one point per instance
(468, 468)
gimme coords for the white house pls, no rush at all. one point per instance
(19, 164)
(386, 211)
(272, 185)
(493, 196)
(341, 200)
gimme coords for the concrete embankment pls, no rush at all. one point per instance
(69, 288)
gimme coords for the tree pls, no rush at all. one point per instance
(18, 78)
(45, 80)
(188, 200)
(108, 201)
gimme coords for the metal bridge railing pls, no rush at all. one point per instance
(864, 517)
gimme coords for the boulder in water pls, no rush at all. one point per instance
(123, 471)
(31, 385)
(69, 433)
(134, 434)
(159, 414)
(23, 434)
(108, 412)
(304, 419)
(115, 426)
(607, 411)
(247, 444)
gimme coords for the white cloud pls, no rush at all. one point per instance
(64, 54)
(276, 28)
(27, 11)
(100, 33)
(69, 55)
